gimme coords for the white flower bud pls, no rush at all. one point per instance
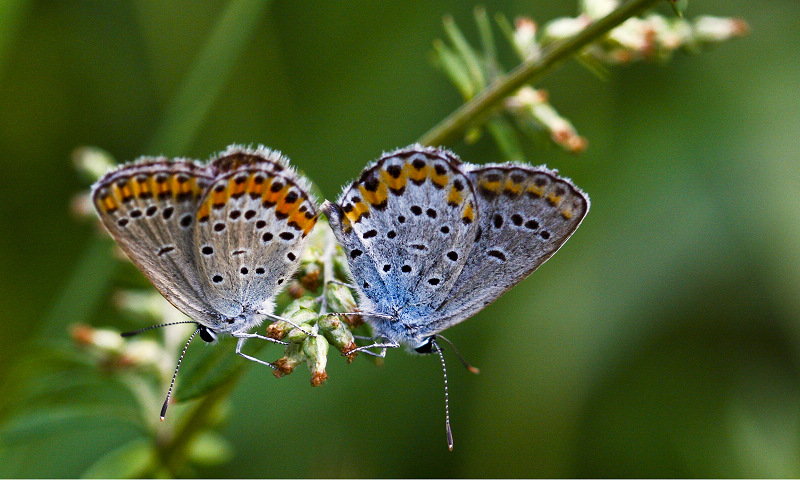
(565, 27)
(92, 161)
(596, 9)
(525, 38)
(718, 29)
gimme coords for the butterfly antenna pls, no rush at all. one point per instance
(466, 364)
(175, 375)
(446, 396)
(148, 328)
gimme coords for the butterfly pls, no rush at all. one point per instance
(217, 239)
(431, 240)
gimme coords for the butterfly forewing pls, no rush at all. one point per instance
(252, 229)
(402, 224)
(149, 208)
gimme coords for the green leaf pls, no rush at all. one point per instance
(213, 366)
(508, 30)
(679, 6)
(462, 47)
(44, 423)
(131, 460)
(596, 67)
(487, 42)
(453, 67)
(506, 138)
(216, 61)
(209, 449)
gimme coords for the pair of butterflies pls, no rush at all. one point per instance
(430, 240)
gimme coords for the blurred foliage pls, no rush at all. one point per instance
(662, 341)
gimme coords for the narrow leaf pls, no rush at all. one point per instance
(131, 460)
(506, 138)
(465, 51)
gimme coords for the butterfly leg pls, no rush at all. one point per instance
(388, 343)
(340, 283)
(364, 314)
(239, 352)
(283, 319)
(260, 337)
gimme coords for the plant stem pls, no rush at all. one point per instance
(90, 277)
(477, 109)
(173, 453)
(13, 14)
(206, 78)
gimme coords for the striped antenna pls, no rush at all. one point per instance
(175, 375)
(446, 396)
(467, 365)
(148, 328)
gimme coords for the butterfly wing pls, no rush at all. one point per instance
(405, 225)
(252, 229)
(526, 214)
(148, 207)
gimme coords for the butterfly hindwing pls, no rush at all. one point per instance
(149, 208)
(526, 214)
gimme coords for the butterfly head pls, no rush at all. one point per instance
(425, 346)
(206, 334)
(237, 320)
(405, 326)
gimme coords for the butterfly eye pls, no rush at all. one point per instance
(207, 335)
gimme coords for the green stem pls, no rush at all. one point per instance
(477, 109)
(327, 270)
(173, 452)
(13, 14)
(205, 80)
(90, 278)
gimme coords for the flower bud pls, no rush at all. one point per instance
(295, 290)
(340, 269)
(332, 327)
(92, 162)
(309, 276)
(143, 352)
(300, 312)
(597, 9)
(711, 29)
(525, 38)
(292, 357)
(140, 302)
(674, 35)
(340, 299)
(103, 340)
(565, 27)
(315, 350)
(81, 206)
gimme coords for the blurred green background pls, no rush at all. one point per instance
(662, 341)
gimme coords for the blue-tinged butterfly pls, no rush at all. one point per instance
(431, 240)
